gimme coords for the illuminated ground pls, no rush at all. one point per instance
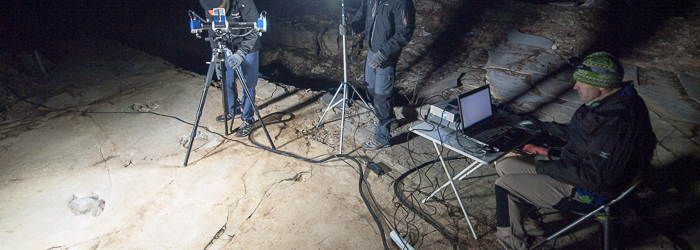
(116, 122)
(120, 136)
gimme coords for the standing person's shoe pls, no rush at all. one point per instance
(245, 128)
(533, 227)
(373, 145)
(236, 114)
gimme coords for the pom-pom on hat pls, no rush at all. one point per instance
(600, 69)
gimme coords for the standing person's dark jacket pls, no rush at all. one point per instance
(608, 143)
(241, 11)
(389, 24)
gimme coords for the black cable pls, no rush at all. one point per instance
(418, 189)
(361, 180)
(283, 153)
(402, 200)
(406, 219)
(339, 156)
(288, 154)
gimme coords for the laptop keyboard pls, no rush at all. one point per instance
(490, 135)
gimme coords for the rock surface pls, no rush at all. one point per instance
(113, 121)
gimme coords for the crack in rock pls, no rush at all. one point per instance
(216, 236)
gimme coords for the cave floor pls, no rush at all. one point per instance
(100, 166)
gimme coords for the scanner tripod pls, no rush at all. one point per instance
(218, 58)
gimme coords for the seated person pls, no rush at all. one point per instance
(609, 140)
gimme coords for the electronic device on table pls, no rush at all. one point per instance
(479, 125)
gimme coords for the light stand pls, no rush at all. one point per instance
(218, 57)
(343, 86)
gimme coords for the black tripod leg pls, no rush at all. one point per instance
(210, 73)
(251, 98)
(224, 97)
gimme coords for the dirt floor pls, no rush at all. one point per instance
(109, 126)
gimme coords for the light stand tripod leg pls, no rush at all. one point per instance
(343, 86)
(210, 74)
(370, 108)
(251, 98)
(332, 103)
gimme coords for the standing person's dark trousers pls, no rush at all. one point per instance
(249, 68)
(389, 26)
(381, 87)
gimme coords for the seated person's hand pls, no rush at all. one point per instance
(534, 149)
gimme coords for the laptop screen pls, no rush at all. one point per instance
(475, 106)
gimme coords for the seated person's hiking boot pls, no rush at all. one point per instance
(245, 128)
(236, 114)
(373, 145)
(533, 227)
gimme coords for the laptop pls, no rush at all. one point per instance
(479, 125)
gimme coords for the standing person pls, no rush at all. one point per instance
(389, 25)
(609, 140)
(244, 53)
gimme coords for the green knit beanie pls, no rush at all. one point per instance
(600, 69)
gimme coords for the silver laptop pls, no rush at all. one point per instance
(479, 125)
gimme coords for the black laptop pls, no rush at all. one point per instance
(478, 123)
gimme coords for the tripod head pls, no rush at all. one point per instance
(220, 50)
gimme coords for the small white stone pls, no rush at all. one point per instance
(554, 46)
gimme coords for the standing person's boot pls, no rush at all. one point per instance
(245, 128)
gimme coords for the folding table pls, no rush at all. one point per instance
(453, 140)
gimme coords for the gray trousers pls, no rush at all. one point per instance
(381, 86)
(524, 186)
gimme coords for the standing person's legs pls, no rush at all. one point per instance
(370, 76)
(250, 68)
(381, 80)
(520, 184)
